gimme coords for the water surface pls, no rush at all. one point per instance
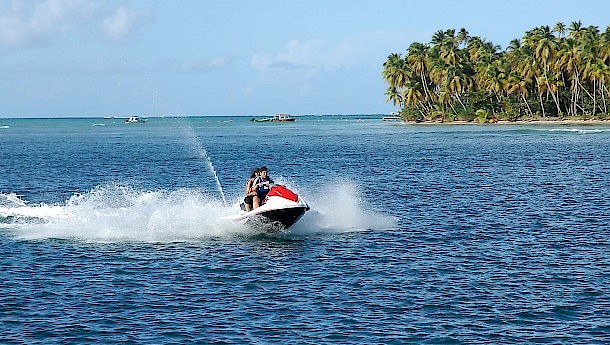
(417, 234)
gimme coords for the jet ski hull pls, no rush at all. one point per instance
(282, 208)
(281, 219)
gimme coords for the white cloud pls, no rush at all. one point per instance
(312, 55)
(22, 24)
(321, 56)
(195, 66)
(122, 22)
(30, 23)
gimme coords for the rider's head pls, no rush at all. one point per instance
(263, 170)
(254, 173)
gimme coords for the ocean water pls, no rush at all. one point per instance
(442, 234)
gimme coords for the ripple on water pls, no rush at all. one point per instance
(500, 237)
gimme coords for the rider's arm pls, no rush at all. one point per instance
(256, 182)
(249, 185)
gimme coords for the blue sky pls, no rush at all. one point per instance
(197, 57)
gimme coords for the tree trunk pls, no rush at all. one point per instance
(549, 90)
(594, 98)
(527, 105)
(426, 90)
(556, 99)
(585, 90)
(460, 100)
(573, 96)
(541, 104)
(452, 108)
(548, 87)
(420, 109)
(601, 93)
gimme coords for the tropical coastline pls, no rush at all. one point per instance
(547, 75)
(517, 122)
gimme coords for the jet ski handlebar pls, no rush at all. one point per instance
(266, 183)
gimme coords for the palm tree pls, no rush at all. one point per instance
(575, 29)
(413, 94)
(560, 29)
(438, 38)
(394, 96)
(564, 68)
(418, 60)
(396, 75)
(604, 45)
(568, 61)
(394, 70)
(513, 46)
(515, 84)
(463, 37)
(544, 45)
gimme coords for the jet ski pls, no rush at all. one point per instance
(279, 211)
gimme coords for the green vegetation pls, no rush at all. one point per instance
(550, 74)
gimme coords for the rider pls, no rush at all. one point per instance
(250, 190)
(263, 185)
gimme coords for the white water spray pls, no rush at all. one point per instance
(115, 213)
(198, 148)
(341, 209)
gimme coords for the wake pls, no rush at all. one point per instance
(115, 213)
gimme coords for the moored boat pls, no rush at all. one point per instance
(134, 119)
(282, 118)
(392, 118)
(266, 119)
(275, 118)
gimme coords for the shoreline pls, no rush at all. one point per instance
(519, 122)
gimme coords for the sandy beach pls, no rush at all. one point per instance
(520, 122)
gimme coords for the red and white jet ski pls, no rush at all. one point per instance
(280, 210)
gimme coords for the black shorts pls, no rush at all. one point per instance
(262, 196)
(248, 199)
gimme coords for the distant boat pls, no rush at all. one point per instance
(283, 118)
(134, 119)
(266, 119)
(392, 118)
(275, 118)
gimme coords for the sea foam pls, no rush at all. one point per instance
(338, 207)
(115, 213)
(579, 130)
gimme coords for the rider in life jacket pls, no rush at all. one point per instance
(263, 184)
(250, 190)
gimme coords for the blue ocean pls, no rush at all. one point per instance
(433, 234)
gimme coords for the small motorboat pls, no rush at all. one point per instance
(392, 118)
(266, 119)
(283, 118)
(275, 118)
(279, 211)
(134, 119)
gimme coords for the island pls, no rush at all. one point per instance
(558, 74)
